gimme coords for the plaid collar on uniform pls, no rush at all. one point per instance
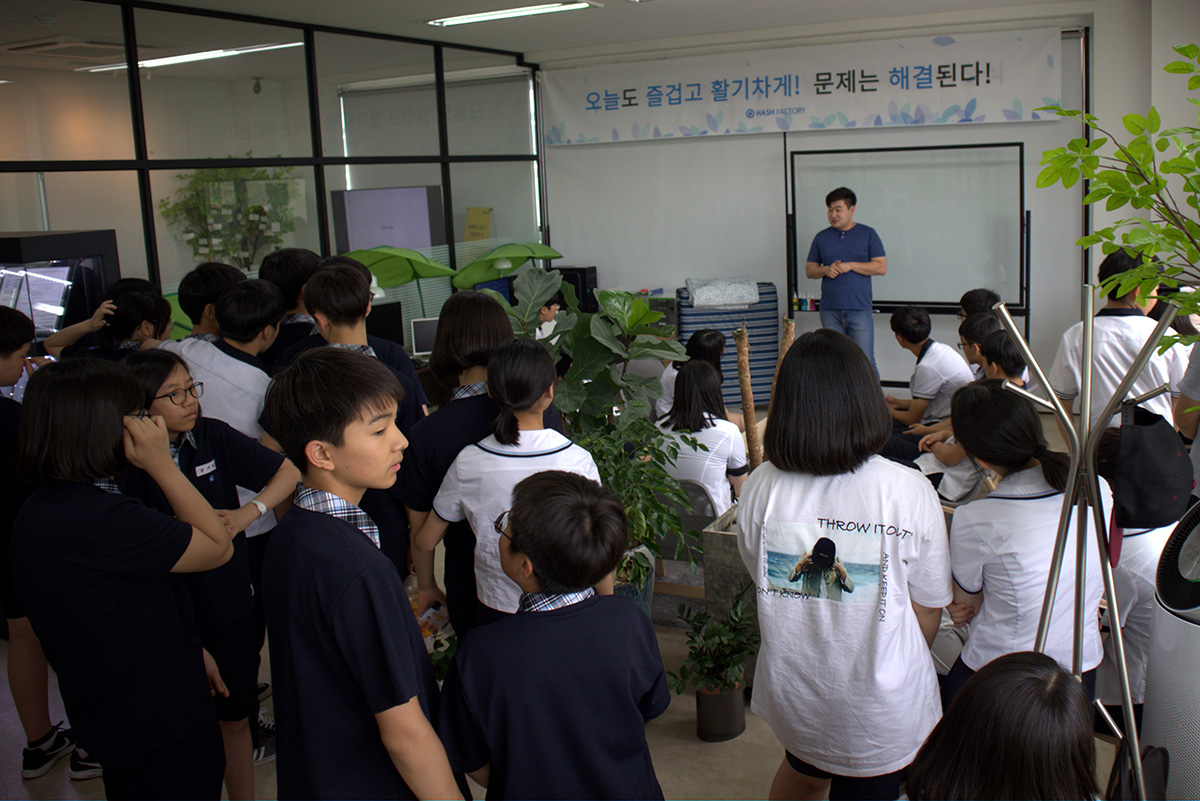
(187, 437)
(367, 349)
(108, 485)
(203, 337)
(315, 500)
(128, 344)
(546, 601)
(297, 317)
(469, 391)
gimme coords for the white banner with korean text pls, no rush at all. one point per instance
(937, 80)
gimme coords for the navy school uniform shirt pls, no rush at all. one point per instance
(221, 460)
(12, 495)
(386, 351)
(433, 445)
(292, 329)
(344, 646)
(92, 569)
(556, 702)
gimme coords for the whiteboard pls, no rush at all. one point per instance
(950, 218)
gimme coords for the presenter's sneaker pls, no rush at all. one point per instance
(37, 759)
(264, 690)
(84, 767)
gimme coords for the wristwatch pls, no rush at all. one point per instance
(260, 506)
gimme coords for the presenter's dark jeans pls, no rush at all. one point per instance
(858, 324)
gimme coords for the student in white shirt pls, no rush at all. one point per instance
(478, 486)
(705, 345)
(940, 371)
(698, 410)
(1002, 545)
(1121, 329)
(971, 332)
(849, 554)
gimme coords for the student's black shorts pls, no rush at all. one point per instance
(852, 788)
(8, 591)
(193, 768)
(236, 655)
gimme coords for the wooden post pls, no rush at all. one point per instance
(753, 442)
(785, 344)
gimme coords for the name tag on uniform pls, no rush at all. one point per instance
(205, 469)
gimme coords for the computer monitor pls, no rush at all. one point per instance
(423, 331)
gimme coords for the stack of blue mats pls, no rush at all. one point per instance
(762, 322)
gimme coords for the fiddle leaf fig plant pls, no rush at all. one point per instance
(1139, 173)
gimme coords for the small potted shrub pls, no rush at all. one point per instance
(716, 650)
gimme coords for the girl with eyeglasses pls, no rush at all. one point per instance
(217, 460)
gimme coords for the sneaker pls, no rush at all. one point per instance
(37, 761)
(264, 690)
(266, 722)
(84, 767)
(265, 752)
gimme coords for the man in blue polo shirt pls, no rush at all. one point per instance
(845, 256)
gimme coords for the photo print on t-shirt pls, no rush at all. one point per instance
(820, 560)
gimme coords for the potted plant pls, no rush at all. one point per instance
(231, 213)
(716, 650)
(605, 408)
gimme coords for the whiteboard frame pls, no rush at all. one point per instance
(1018, 309)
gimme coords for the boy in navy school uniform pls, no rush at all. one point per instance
(552, 702)
(289, 269)
(353, 685)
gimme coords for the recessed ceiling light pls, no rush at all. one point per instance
(189, 57)
(508, 13)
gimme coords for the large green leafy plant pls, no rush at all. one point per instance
(231, 214)
(716, 648)
(605, 405)
(1138, 174)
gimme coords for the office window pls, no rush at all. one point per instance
(377, 97)
(245, 92)
(52, 107)
(489, 104)
(78, 201)
(231, 215)
(508, 190)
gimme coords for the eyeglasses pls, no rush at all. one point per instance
(179, 396)
(501, 523)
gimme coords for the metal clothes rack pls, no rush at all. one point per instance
(1083, 493)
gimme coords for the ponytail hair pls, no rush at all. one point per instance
(133, 310)
(519, 373)
(1003, 429)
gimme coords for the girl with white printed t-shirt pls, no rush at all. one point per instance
(849, 555)
(1002, 545)
(478, 486)
(697, 411)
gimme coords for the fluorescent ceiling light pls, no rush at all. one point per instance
(189, 57)
(507, 13)
(3, 81)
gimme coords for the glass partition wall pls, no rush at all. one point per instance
(203, 136)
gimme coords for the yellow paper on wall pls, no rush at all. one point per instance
(479, 223)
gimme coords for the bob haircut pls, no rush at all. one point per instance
(706, 345)
(246, 309)
(127, 286)
(1019, 728)
(829, 416)
(697, 394)
(978, 301)
(340, 293)
(133, 310)
(320, 394)
(841, 193)
(519, 373)
(152, 367)
(289, 269)
(71, 421)
(15, 330)
(572, 529)
(1003, 429)
(1115, 263)
(204, 285)
(470, 328)
(911, 323)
